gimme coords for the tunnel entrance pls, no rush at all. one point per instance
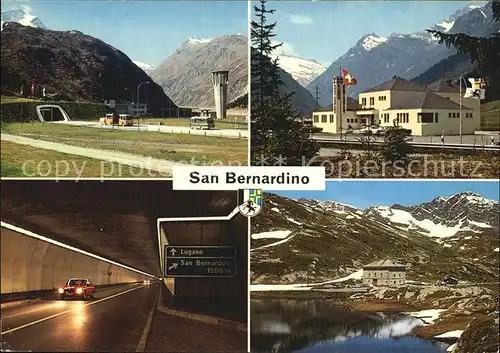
(51, 113)
(205, 266)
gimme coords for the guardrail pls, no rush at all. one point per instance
(451, 146)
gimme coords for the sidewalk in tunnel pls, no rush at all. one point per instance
(170, 333)
(177, 333)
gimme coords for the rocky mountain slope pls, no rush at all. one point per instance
(376, 59)
(186, 74)
(22, 17)
(72, 64)
(456, 236)
(302, 99)
(302, 70)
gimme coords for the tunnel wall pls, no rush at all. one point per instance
(30, 264)
(220, 233)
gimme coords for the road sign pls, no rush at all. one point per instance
(200, 261)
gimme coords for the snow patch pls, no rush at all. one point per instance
(371, 42)
(198, 40)
(496, 250)
(428, 317)
(299, 287)
(480, 225)
(275, 209)
(276, 234)
(446, 25)
(451, 334)
(143, 66)
(294, 221)
(403, 217)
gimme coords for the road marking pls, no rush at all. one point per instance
(141, 347)
(68, 311)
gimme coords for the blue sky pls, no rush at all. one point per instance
(325, 30)
(364, 194)
(147, 31)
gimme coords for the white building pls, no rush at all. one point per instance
(425, 110)
(384, 273)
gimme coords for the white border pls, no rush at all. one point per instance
(327, 180)
(72, 248)
(249, 156)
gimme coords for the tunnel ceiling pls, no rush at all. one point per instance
(114, 219)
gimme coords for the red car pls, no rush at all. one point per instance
(77, 288)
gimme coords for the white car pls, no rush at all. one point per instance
(372, 130)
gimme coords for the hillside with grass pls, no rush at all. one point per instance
(71, 66)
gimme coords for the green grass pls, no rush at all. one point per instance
(173, 147)
(19, 161)
(8, 99)
(490, 116)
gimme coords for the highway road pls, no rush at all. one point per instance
(114, 321)
(168, 129)
(119, 319)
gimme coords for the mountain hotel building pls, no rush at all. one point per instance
(425, 110)
(384, 273)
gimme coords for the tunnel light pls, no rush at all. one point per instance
(62, 245)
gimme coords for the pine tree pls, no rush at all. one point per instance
(484, 52)
(278, 135)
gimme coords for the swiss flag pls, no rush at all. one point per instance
(348, 78)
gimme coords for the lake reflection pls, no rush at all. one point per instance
(318, 326)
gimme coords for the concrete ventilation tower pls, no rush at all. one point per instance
(219, 79)
(339, 102)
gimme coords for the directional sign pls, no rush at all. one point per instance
(201, 251)
(200, 261)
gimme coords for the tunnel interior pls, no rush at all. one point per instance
(115, 219)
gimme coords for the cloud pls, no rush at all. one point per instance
(300, 19)
(27, 9)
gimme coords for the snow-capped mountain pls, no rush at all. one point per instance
(375, 59)
(447, 24)
(198, 40)
(22, 17)
(302, 70)
(145, 67)
(371, 41)
(444, 217)
(455, 235)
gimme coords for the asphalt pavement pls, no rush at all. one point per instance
(168, 129)
(119, 319)
(113, 321)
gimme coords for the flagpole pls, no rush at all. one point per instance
(460, 109)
